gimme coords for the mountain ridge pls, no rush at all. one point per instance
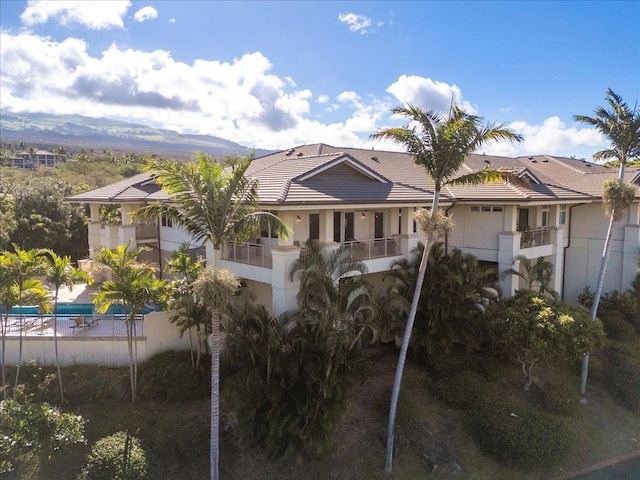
(76, 132)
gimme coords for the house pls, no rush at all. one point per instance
(365, 199)
(37, 158)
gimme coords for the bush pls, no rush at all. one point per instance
(116, 457)
(621, 376)
(169, 377)
(617, 328)
(462, 390)
(558, 400)
(524, 438)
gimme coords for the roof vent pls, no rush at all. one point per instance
(374, 158)
(289, 152)
(300, 154)
(534, 161)
(545, 161)
(530, 158)
(487, 161)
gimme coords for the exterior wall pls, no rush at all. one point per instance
(476, 232)
(583, 256)
(160, 335)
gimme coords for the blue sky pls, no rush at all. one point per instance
(278, 74)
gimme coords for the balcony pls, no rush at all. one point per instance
(535, 238)
(146, 232)
(374, 248)
(249, 253)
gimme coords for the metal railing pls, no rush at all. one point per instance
(535, 238)
(95, 325)
(250, 253)
(374, 248)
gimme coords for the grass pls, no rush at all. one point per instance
(172, 421)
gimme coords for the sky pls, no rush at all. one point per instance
(273, 74)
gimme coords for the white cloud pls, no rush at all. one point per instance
(356, 23)
(172, 20)
(89, 13)
(323, 99)
(428, 94)
(145, 13)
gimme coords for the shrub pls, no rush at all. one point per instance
(462, 390)
(559, 400)
(525, 438)
(617, 328)
(116, 457)
(621, 376)
(625, 305)
(40, 428)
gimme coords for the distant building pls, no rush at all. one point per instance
(39, 158)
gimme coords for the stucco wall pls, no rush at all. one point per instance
(160, 335)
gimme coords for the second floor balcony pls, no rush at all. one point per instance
(535, 238)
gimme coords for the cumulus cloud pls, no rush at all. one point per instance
(357, 23)
(93, 14)
(428, 94)
(172, 20)
(322, 99)
(145, 13)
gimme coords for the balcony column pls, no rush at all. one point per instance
(326, 226)
(631, 247)
(556, 237)
(283, 291)
(508, 245)
(408, 239)
(95, 230)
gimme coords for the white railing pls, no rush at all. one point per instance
(95, 325)
(535, 238)
(374, 248)
(250, 253)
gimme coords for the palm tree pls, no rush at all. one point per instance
(439, 143)
(19, 269)
(621, 126)
(59, 272)
(220, 207)
(538, 275)
(134, 286)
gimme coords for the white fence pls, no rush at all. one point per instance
(102, 343)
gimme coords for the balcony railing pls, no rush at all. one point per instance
(535, 238)
(250, 253)
(94, 325)
(374, 248)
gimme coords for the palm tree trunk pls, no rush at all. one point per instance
(214, 447)
(135, 354)
(5, 321)
(130, 351)
(403, 354)
(20, 326)
(596, 302)
(55, 343)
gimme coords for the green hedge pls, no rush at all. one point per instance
(520, 437)
(116, 457)
(462, 390)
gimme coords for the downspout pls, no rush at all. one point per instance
(159, 249)
(564, 256)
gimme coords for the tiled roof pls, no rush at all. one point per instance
(321, 174)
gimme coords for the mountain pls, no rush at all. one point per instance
(75, 132)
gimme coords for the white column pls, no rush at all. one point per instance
(557, 239)
(283, 290)
(508, 245)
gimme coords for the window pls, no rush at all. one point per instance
(562, 214)
(343, 230)
(485, 208)
(268, 232)
(545, 215)
(166, 221)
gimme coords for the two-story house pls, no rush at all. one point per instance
(365, 199)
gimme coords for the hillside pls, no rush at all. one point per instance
(76, 132)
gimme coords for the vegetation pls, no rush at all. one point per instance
(30, 430)
(527, 328)
(219, 208)
(439, 143)
(116, 457)
(134, 285)
(620, 125)
(537, 275)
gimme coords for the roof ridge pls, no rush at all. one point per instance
(285, 190)
(128, 184)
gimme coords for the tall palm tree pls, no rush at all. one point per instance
(134, 285)
(439, 143)
(621, 126)
(58, 272)
(20, 268)
(218, 206)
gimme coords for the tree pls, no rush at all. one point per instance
(439, 143)
(134, 286)
(7, 219)
(19, 269)
(59, 271)
(528, 328)
(217, 206)
(538, 275)
(621, 126)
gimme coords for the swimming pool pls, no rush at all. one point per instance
(76, 309)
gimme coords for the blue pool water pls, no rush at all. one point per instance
(75, 309)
